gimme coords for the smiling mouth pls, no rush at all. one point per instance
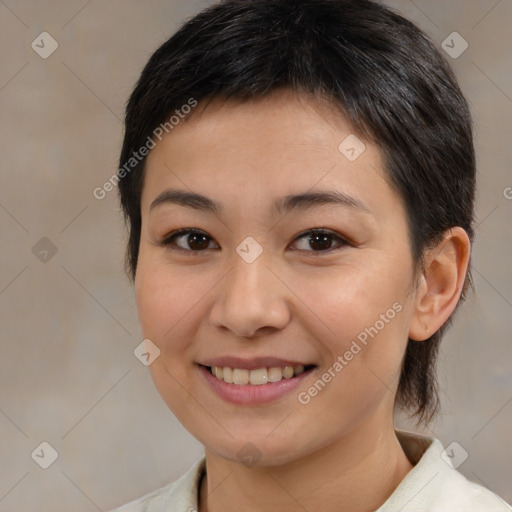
(258, 376)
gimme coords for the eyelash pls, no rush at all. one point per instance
(167, 241)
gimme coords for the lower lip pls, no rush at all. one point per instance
(250, 394)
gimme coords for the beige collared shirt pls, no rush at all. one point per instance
(433, 485)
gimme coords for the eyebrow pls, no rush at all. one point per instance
(301, 201)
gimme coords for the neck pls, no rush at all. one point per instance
(356, 473)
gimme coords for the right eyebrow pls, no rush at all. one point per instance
(188, 199)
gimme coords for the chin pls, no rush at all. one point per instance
(255, 454)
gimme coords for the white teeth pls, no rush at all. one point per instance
(256, 377)
(288, 372)
(240, 376)
(227, 374)
(275, 374)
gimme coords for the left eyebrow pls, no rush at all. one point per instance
(324, 197)
(301, 201)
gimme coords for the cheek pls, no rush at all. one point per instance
(165, 304)
(362, 331)
(347, 302)
(362, 320)
(163, 297)
(172, 304)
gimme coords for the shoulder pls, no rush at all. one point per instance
(434, 485)
(456, 493)
(151, 502)
(182, 492)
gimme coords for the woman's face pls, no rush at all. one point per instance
(256, 289)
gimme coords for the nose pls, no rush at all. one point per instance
(251, 300)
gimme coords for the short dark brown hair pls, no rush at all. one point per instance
(383, 73)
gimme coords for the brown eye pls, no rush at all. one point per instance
(195, 241)
(188, 240)
(320, 240)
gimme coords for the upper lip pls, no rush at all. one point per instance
(253, 363)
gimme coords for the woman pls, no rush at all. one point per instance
(298, 178)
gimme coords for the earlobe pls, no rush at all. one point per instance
(441, 284)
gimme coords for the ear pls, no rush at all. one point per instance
(441, 284)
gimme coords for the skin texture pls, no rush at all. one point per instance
(293, 302)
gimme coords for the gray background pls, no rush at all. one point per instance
(68, 375)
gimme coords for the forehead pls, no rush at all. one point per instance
(284, 119)
(272, 146)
